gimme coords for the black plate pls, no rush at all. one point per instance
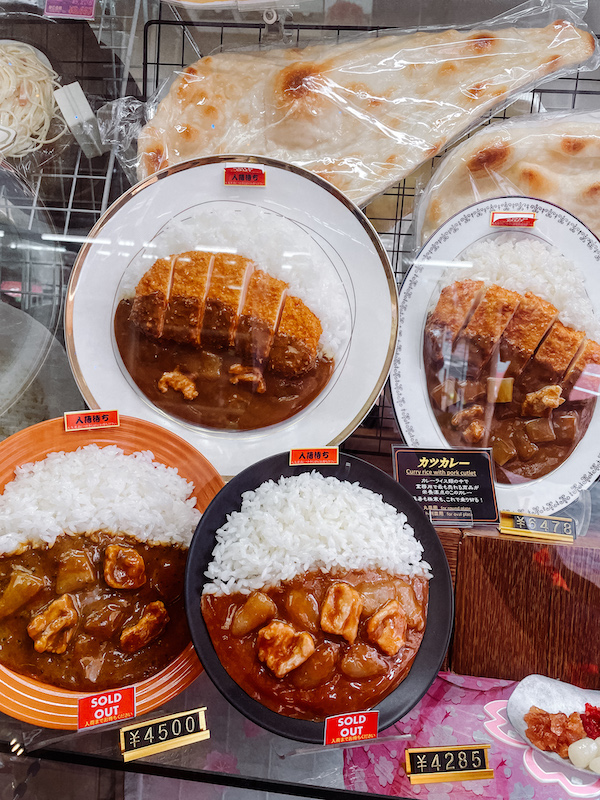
(439, 616)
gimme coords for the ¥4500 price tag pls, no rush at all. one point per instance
(439, 764)
(165, 733)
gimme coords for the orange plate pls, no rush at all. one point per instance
(48, 706)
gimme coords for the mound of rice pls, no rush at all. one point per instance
(96, 488)
(309, 522)
(529, 264)
(275, 243)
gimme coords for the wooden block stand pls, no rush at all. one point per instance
(525, 606)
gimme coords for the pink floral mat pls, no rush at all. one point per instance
(461, 710)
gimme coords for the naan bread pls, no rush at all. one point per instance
(362, 114)
(551, 158)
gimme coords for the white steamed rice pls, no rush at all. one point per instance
(96, 488)
(529, 264)
(308, 522)
(275, 243)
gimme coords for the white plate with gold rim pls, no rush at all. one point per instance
(331, 222)
(418, 295)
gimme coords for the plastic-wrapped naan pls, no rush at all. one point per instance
(554, 157)
(364, 113)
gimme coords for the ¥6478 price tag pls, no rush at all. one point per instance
(534, 526)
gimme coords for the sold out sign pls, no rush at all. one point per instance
(351, 727)
(98, 709)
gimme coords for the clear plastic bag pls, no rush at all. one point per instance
(366, 112)
(553, 157)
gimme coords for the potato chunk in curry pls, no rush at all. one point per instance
(22, 587)
(74, 571)
(258, 609)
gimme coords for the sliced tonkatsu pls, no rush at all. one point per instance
(295, 345)
(226, 292)
(185, 309)
(260, 317)
(455, 304)
(582, 381)
(220, 301)
(151, 297)
(553, 357)
(476, 343)
(528, 326)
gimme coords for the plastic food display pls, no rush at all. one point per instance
(245, 426)
(363, 113)
(301, 706)
(24, 455)
(503, 361)
(240, 321)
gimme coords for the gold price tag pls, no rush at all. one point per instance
(533, 526)
(165, 733)
(456, 763)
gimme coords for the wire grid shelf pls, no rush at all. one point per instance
(61, 189)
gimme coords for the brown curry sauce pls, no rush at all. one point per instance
(220, 403)
(93, 660)
(503, 421)
(334, 693)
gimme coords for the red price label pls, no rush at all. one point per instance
(98, 709)
(89, 420)
(351, 727)
(245, 176)
(509, 219)
(315, 455)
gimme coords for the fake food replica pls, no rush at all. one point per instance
(307, 613)
(94, 546)
(363, 114)
(509, 356)
(205, 326)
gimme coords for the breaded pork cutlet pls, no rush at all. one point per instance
(553, 357)
(294, 349)
(582, 381)
(453, 307)
(185, 310)
(151, 297)
(224, 300)
(528, 326)
(482, 333)
(259, 318)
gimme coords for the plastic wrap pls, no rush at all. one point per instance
(553, 157)
(367, 112)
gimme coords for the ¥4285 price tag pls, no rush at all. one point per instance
(439, 764)
(165, 733)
